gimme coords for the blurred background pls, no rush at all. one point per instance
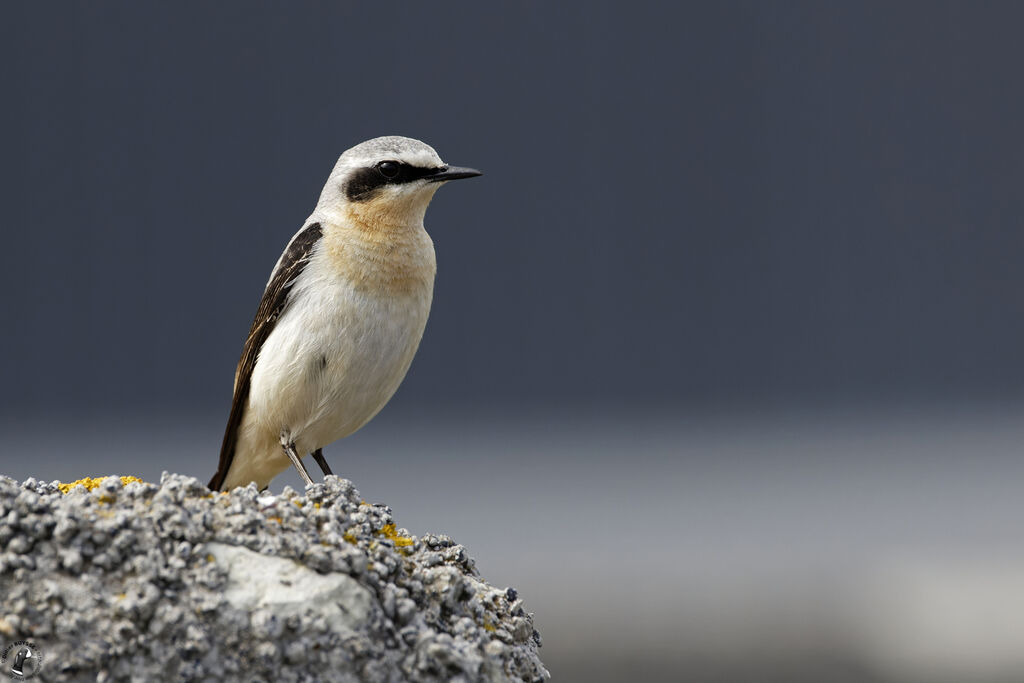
(723, 372)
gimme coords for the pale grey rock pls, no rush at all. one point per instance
(172, 582)
(286, 588)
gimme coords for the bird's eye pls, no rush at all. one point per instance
(388, 169)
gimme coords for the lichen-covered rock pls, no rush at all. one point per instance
(117, 579)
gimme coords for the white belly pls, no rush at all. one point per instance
(330, 364)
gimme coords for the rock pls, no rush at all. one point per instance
(117, 579)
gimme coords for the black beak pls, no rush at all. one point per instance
(452, 173)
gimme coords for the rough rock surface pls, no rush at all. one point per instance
(149, 582)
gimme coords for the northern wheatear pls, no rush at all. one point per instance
(342, 314)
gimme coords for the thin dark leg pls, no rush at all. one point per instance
(289, 449)
(318, 455)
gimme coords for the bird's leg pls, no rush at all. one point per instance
(289, 448)
(318, 455)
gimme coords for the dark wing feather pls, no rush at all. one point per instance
(275, 300)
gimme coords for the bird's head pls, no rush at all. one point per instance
(386, 181)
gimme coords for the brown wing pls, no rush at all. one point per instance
(275, 300)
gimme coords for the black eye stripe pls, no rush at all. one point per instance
(364, 183)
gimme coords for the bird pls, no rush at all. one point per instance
(341, 316)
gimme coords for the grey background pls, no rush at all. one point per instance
(730, 327)
(763, 202)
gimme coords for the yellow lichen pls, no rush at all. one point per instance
(275, 519)
(400, 541)
(92, 482)
(350, 537)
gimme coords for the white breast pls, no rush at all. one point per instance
(334, 359)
